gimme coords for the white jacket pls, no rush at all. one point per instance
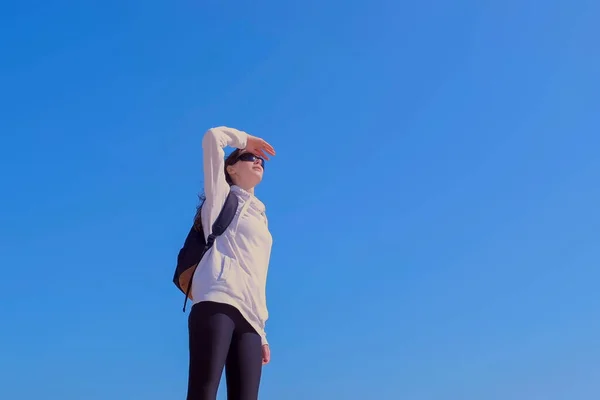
(234, 270)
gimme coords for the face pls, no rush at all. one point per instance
(247, 172)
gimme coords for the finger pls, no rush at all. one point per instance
(269, 149)
(265, 154)
(262, 154)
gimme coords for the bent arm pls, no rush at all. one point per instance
(216, 187)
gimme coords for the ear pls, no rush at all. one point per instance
(230, 170)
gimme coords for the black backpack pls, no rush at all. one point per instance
(195, 245)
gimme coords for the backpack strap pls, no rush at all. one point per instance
(218, 228)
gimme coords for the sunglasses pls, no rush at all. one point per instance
(251, 158)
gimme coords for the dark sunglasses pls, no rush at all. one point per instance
(250, 157)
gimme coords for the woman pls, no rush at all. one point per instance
(227, 319)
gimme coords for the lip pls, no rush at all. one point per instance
(257, 168)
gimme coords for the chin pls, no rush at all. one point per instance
(257, 176)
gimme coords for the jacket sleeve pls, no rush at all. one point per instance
(216, 187)
(263, 338)
(263, 333)
(264, 312)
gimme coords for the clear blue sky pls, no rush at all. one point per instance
(434, 200)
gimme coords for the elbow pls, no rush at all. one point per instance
(210, 138)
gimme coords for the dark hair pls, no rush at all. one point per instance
(230, 160)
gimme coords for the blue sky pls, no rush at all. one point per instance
(433, 201)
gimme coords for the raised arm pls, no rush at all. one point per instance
(216, 187)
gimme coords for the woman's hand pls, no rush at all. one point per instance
(259, 147)
(266, 354)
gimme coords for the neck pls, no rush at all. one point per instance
(246, 188)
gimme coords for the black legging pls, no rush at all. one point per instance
(219, 336)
